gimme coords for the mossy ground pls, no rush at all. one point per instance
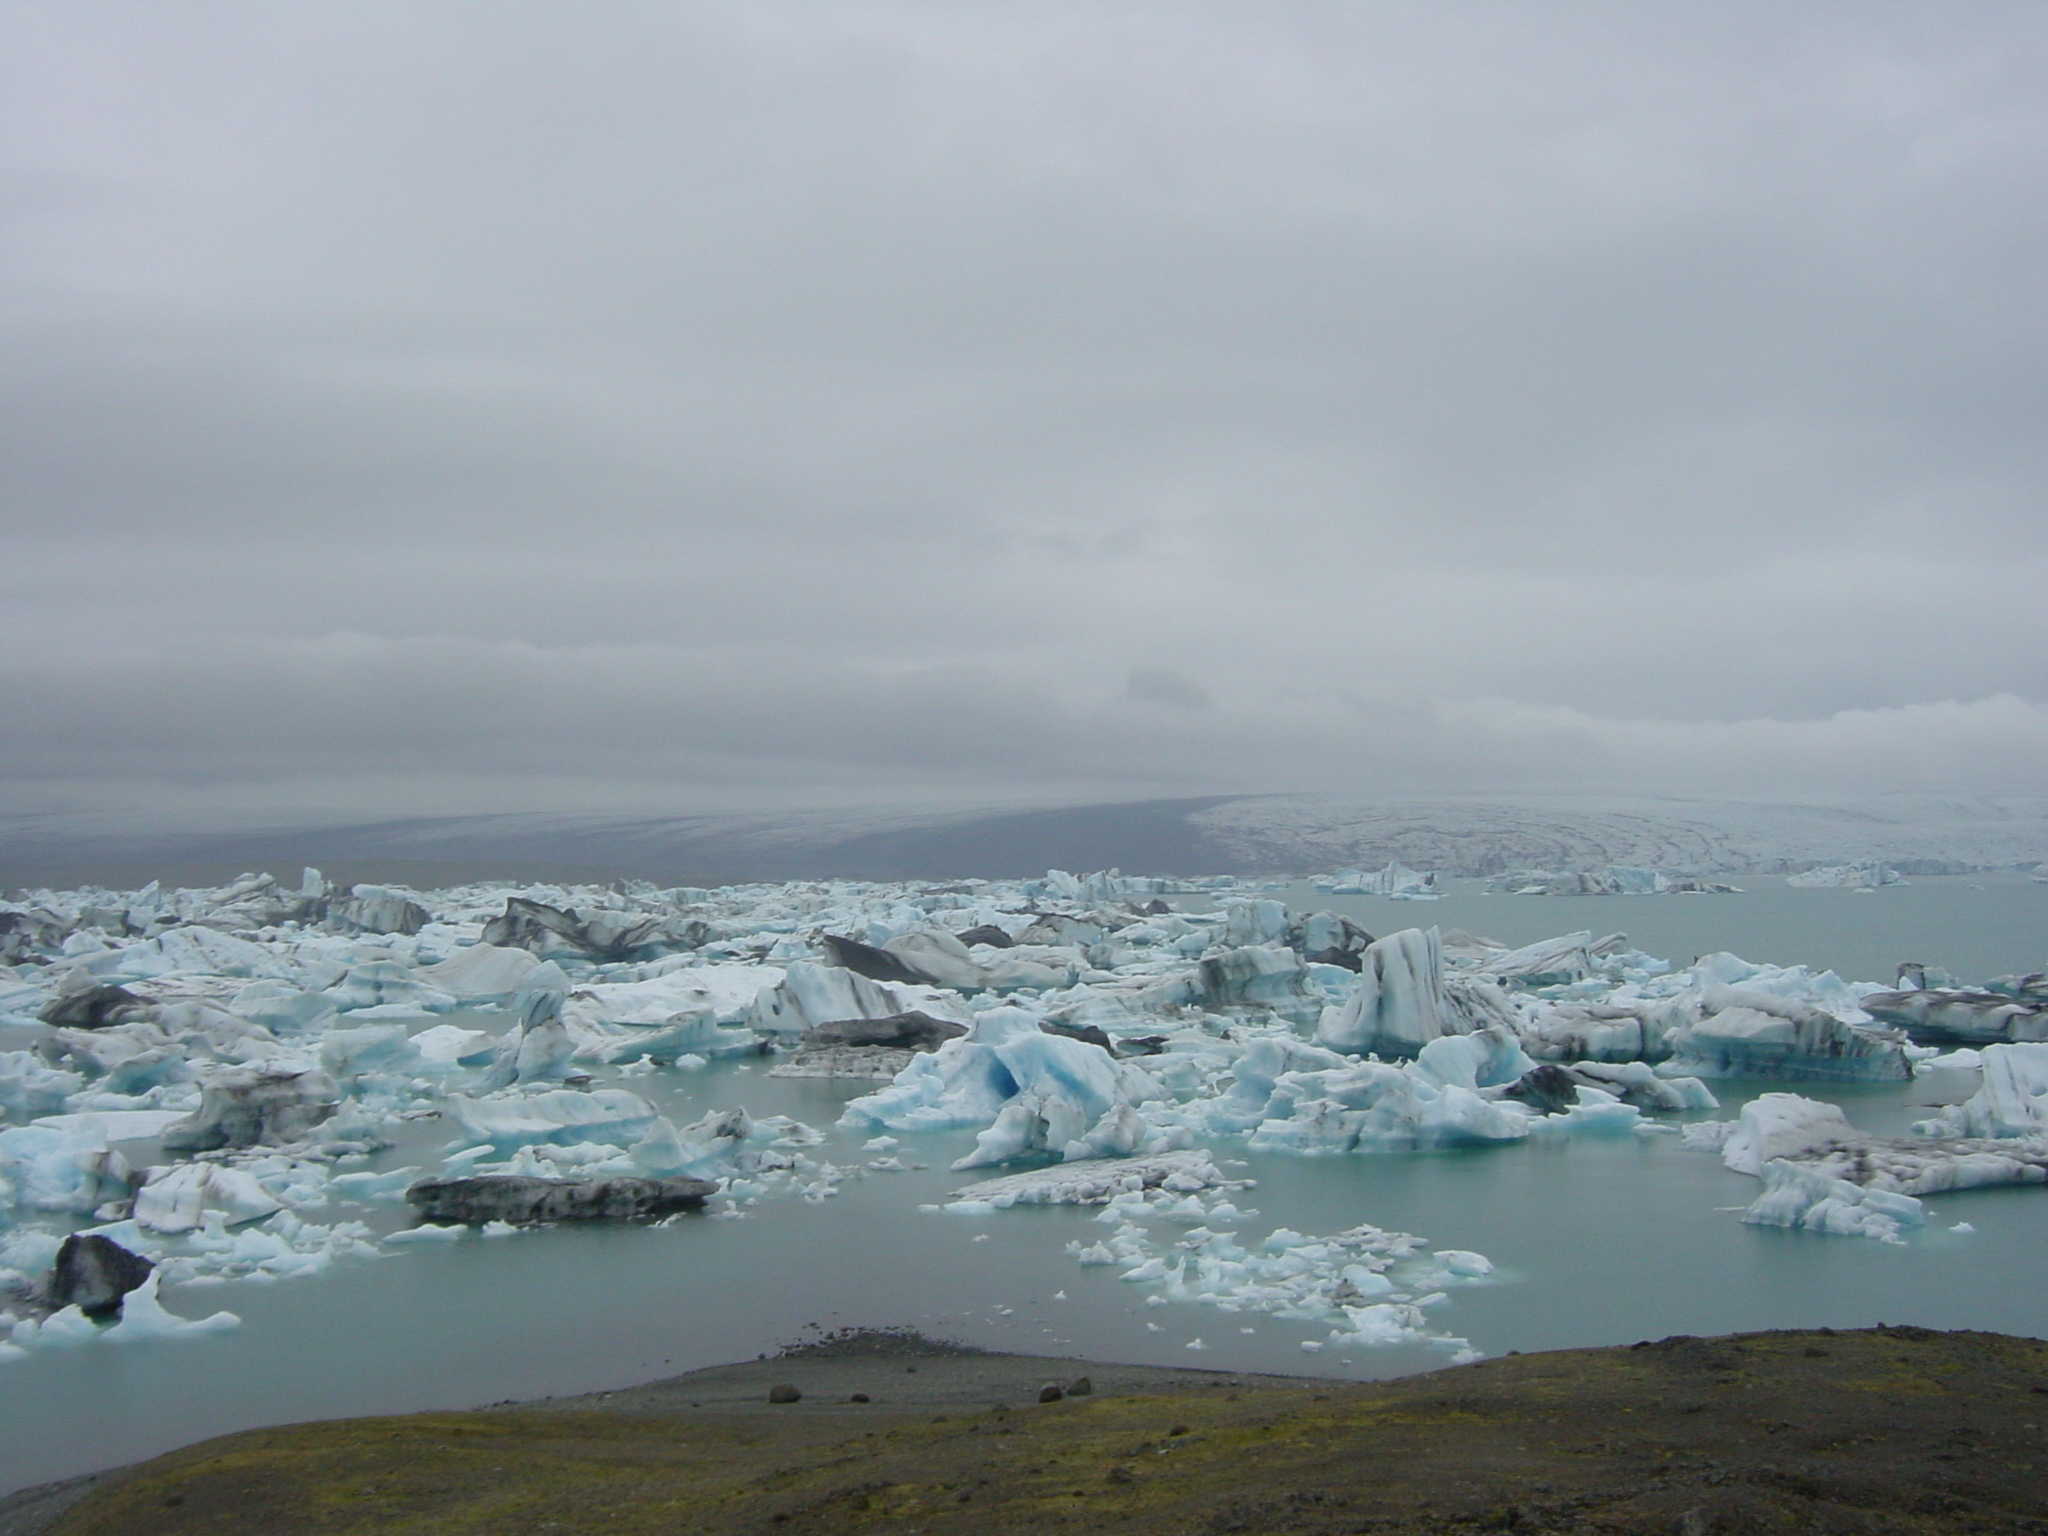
(1889, 1430)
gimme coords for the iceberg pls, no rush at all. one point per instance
(1097, 1183)
(1777, 1126)
(810, 995)
(1035, 1093)
(1551, 962)
(1864, 876)
(383, 984)
(1767, 1021)
(481, 973)
(1799, 1196)
(1944, 1017)
(65, 1168)
(178, 1198)
(269, 1105)
(1396, 880)
(1400, 1005)
(559, 1116)
(2012, 1101)
(1378, 1107)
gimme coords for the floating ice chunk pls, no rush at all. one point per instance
(809, 995)
(1757, 1021)
(1550, 962)
(933, 956)
(481, 972)
(1034, 1091)
(193, 951)
(68, 1168)
(1636, 1083)
(29, 1087)
(1396, 879)
(1259, 976)
(116, 1124)
(1608, 1031)
(1464, 1263)
(373, 983)
(1097, 1183)
(1400, 1005)
(1973, 1018)
(427, 1234)
(1783, 1125)
(269, 1105)
(539, 1049)
(283, 1006)
(1378, 1107)
(178, 1198)
(368, 1048)
(1263, 1062)
(1798, 1196)
(1254, 922)
(389, 1185)
(1864, 876)
(560, 1116)
(2012, 1101)
(452, 1045)
(61, 1329)
(1484, 1059)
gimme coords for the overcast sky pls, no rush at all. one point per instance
(494, 406)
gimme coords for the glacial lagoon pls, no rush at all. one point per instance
(1593, 1239)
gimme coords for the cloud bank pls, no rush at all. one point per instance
(657, 407)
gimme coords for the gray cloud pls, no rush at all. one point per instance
(664, 401)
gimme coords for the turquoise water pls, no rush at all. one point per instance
(1597, 1241)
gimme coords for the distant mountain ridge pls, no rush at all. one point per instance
(1250, 835)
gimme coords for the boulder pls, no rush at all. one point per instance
(525, 1201)
(93, 1273)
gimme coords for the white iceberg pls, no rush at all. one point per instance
(1799, 1196)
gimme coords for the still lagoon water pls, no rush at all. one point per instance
(1595, 1241)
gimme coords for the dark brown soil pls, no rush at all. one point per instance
(1881, 1430)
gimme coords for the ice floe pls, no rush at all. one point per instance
(210, 1076)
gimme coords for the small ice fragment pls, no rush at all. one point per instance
(427, 1234)
(1962, 1226)
(1196, 1344)
(981, 1237)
